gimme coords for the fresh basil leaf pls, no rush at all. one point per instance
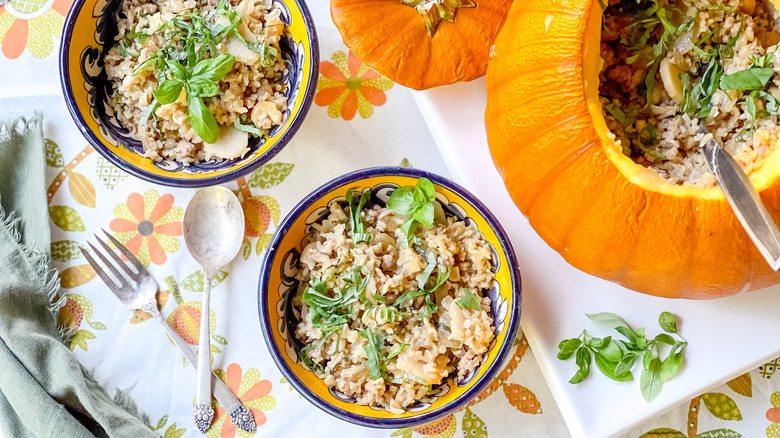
(202, 88)
(177, 70)
(748, 79)
(424, 214)
(469, 301)
(607, 317)
(425, 186)
(641, 341)
(668, 322)
(625, 364)
(599, 343)
(583, 359)
(650, 382)
(169, 91)
(213, 69)
(611, 351)
(647, 358)
(628, 333)
(401, 201)
(608, 369)
(248, 127)
(567, 347)
(664, 338)
(671, 366)
(202, 120)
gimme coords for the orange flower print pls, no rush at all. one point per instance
(148, 225)
(347, 86)
(254, 394)
(31, 24)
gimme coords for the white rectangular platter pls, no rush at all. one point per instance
(726, 337)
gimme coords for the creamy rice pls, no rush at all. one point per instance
(663, 136)
(425, 340)
(251, 91)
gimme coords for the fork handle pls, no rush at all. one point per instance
(221, 392)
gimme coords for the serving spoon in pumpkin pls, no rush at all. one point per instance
(743, 198)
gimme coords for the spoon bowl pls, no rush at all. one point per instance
(213, 227)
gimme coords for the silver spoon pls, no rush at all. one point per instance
(213, 228)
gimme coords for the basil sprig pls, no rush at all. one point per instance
(198, 83)
(616, 357)
(415, 203)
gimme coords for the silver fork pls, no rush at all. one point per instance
(136, 288)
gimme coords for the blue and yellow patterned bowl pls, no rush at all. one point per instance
(278, 318)
(89, 32)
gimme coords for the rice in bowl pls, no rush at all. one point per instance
(192, 80)
(673, 65)
(390, 309)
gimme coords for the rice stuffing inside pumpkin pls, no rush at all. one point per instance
(670, 66)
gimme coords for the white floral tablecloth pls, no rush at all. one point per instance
(346, 129)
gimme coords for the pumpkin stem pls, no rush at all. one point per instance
(435, 11)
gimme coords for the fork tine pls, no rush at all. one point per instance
(106, 279)
(129, 255)
(111, 267)
(131, 274)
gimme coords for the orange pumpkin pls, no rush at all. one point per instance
(605, 214)
(449, 43)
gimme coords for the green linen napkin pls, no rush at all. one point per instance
(44, 390)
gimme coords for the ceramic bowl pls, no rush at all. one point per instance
(279, 318)
(89, 32)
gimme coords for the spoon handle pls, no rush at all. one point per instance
(203, 413)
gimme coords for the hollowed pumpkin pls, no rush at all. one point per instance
(449, 43)
(605, 214)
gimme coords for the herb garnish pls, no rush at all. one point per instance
(415, 203)
(253, 130)
(329, 311)
(615, 358)
(356, 224)
(198, 83)
(376, 356)
(422, 280)
(469, 301)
